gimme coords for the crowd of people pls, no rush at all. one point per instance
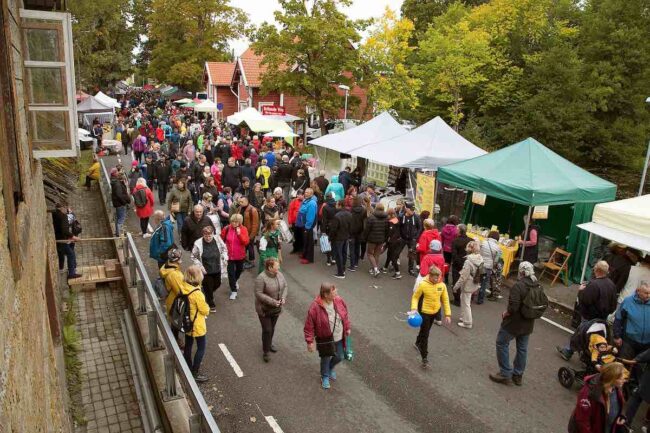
(235, 202)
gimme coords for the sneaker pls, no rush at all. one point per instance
(412, 273)
(384, 270)
(146, 235)
(397, 276)
(332, 375)
(416, 347)
(563, 353)
(328, 263)
(213, 309)
(73, 276)
(499, 378)
(425, 363)
(325, 382)
(465, 325)
(200, 378)
(517, 379)
(438, 322)
(248, 265)
(492, 298)
(273, 349)
(233, 296)
(266, 357)
(351, 269)
(340, 277)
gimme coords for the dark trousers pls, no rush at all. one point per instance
(340, 250)
(392, 255)
(268, 329)
(235, 268)
(162, 192)
(308, 247)
(355, 252)
(211, 282)
(198, 356)
(88, 180)
(297, 239)
(422, 341)
(138, 155)
(362, 250)
(144, 223)
(410, 246)
(447, 256)
(66, 251)
(250, 248)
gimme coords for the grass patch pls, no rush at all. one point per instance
(71, 349)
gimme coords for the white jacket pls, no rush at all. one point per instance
(466, 281)
(490, 251)
(197, 254)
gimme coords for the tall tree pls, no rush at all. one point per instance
(188, 33)
(422, 13)
(383, 71)
(309, 51)
(103, 41)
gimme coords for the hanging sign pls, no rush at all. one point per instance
(540, 213)
(425, 192)
(478, 198)
(273, 110)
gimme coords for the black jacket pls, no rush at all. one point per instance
(247, 171)
(458, 252)
(345, 179)
(301, 182)
(162, 171)
(410, 227)
(192, 229)
(285, 170)
(376, 230)
(119, 195)
(231, 176)
(619, 269)
(358, 224)
(329, 211)
(322, 183)
(340, 226)
(61, 225)
(598, 299)
(515, 323)
(223, 152)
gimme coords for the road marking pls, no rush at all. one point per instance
(231, 360)
(557, 325)
(274, 424)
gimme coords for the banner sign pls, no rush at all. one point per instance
(478, 198)
(273, 110)
(540, 213)
(425, 192)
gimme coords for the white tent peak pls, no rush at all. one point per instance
(245, 115)
(107, 100)
(205, 106)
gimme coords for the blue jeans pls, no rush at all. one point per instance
(180, 219)
(198, 356)
(120, 217)
(485, 282)
(66, 251)
(355, 252)
(340, 250)
(503, 353)
(327, 363)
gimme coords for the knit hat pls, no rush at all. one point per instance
(435, 245)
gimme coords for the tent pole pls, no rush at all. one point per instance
(411, 185)
(584, 265)
(523, 245)
(435, 196)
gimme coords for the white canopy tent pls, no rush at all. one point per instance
(624, 221)
(92, 108)
(283, 117)
(427, 147)
(245, 115)
(107, 100)
(206, 106)
(281, 133)
(380, 128)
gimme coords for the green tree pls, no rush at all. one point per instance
(309, 51)
(422, 12)
(384, 72)
(103, 41)
(184, 35)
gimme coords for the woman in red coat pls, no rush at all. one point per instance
(600, 402)
(430, 233)
(236, 238)
(327, 321)
(143, 199)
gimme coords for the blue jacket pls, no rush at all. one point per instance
(336, 188)
(308, 211)
(633, 320)
(270, 159)
(161, 240)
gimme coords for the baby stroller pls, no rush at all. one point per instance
(580, 343)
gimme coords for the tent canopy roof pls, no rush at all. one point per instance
(244, 116)
(266, 125)
(427, 147)
(530, 174)
(631, 215)
(205, 106)
(107, 100)
(93, 105)
(380, 128)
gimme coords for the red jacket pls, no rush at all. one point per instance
(317, 323)
(433, 259)
(236, 151)
(235, 243)
(294, 207)
(425, 239)
(590, 413)
(147, 210)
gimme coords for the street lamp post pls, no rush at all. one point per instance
(645, 165)
(347, 89)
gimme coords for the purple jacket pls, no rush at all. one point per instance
(449, 233)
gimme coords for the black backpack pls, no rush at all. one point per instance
(140, 198)
(179, 313)
(478, 274)
(534, 303)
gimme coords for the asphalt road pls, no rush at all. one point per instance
(384, 388)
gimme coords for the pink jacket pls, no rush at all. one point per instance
(235, 243)
(449, 234)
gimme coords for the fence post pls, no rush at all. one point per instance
(154, 344)
(170, 392)
(142, 299)
(125, 246)
(195, 423)
(132, 272)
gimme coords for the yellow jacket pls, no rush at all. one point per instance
(173, 277)
(199, 309)
(435, 296)
(266, 172)
(93, 171)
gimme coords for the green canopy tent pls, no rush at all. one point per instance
(529, 174)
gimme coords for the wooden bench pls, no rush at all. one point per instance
(93, 275)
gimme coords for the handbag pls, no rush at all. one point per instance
(325, 245)
(326, 346)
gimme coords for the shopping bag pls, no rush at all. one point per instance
(325, 246)
(285, 233)
(349, 352)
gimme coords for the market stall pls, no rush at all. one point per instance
(528, 174)
(107, 100)
(508, 246)
(91, 108)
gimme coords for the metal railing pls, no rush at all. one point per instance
(147, 303)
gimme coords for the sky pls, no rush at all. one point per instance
(262, 10)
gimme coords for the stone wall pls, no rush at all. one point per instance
(32, 394)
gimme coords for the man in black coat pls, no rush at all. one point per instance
(120, 197)
(162, 171)
(193, 227)
(284, 174)
(339, 230)
(62, 232)
(231, 175)
(410, 230)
